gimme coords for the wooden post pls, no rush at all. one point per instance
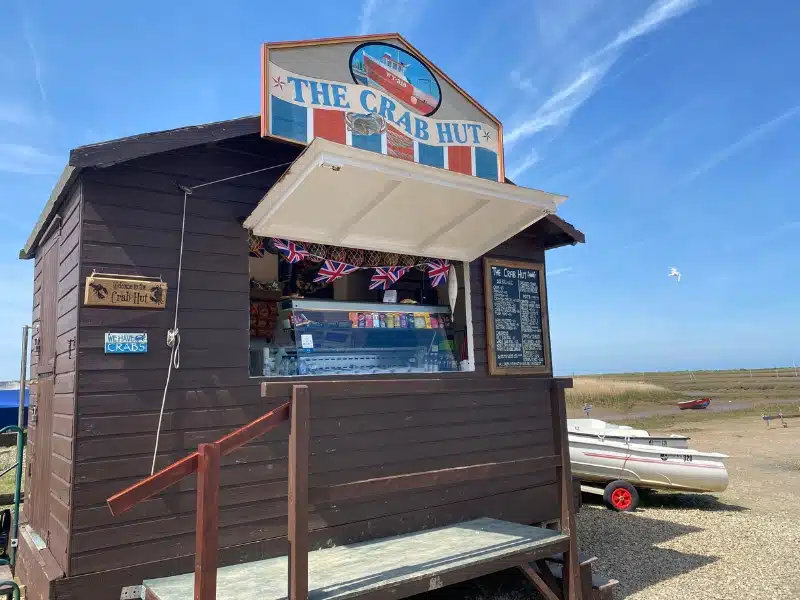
(298, 494)
(571, 574)
(207, 532)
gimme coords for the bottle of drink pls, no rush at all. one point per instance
(266, 370)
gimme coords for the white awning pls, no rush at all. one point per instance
(339, 195)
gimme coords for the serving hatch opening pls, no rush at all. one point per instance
(340, 195)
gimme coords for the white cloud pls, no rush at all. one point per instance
(37, 65)
(659, 12)
(581, 79)
(523, 83)
(15, 114)
(387, 16)
(742, 143)
(27, 160)
(770, 235)
(559, 271)
(367, 11)
(558, 109)
(526, 163)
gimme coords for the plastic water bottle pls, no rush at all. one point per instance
(267, 371)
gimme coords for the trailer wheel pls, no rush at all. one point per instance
(621, 496)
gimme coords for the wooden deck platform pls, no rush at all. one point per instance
(394, 567)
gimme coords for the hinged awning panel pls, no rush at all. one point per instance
(325, 205)
(486, 227)
(335, 194)
(412, 214)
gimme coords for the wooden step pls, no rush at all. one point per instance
(601, 587)
(395, 567)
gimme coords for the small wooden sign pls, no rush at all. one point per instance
(124, 293)
(517, 333)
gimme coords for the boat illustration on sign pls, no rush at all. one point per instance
(398, 73)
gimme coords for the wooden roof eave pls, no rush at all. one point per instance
(109, 153)
(121, 150)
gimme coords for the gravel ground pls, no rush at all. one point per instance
(741, 544)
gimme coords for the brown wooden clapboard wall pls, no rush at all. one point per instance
(131, 220)
(54, 394)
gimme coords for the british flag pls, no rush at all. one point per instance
(437, 271)
(292, 251)
(384, 277)
(333, 270)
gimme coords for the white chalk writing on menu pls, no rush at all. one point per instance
(517, 316)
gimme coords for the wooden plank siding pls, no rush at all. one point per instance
(64, 392)
(130, 224)
(48, 510)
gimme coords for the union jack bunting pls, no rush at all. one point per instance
(256, 247)
(333, 270)
(437, 271)
(292, 251)
(384, 277)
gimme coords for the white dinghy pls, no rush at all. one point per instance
(623, 459)
(595, 428)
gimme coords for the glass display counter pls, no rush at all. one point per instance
(319, 337)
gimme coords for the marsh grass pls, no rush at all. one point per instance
(8, 456)
(677, 420)
(622, 395)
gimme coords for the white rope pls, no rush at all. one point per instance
(197, 187)
(173, 335)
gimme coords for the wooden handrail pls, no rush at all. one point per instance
(172, 474)
(558, 410)
(207, 523)
(207, 463)
(297, 532)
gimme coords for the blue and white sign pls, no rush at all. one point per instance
(126, 343)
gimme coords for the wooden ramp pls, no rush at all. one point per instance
(394, 567)
(391, 567)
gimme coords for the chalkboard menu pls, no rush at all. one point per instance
(516, 317)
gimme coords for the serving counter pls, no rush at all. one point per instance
(321, 337)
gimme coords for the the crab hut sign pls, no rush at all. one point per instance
(377, 93)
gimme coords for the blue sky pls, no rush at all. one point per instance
(673, 127)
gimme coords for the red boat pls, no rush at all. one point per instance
(389, 74)
(697, 403)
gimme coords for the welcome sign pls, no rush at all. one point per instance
(369, 93)
(122, 292)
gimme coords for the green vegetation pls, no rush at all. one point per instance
(8, 456)
(625, 390)
(689, 417)
(620, 395)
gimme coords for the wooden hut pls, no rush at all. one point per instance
(130, 218)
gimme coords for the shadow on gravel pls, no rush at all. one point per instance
(628, 545)
(681, 501)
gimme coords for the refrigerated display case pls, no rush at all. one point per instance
(320, 337)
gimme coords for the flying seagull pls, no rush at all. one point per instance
(673, 272)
